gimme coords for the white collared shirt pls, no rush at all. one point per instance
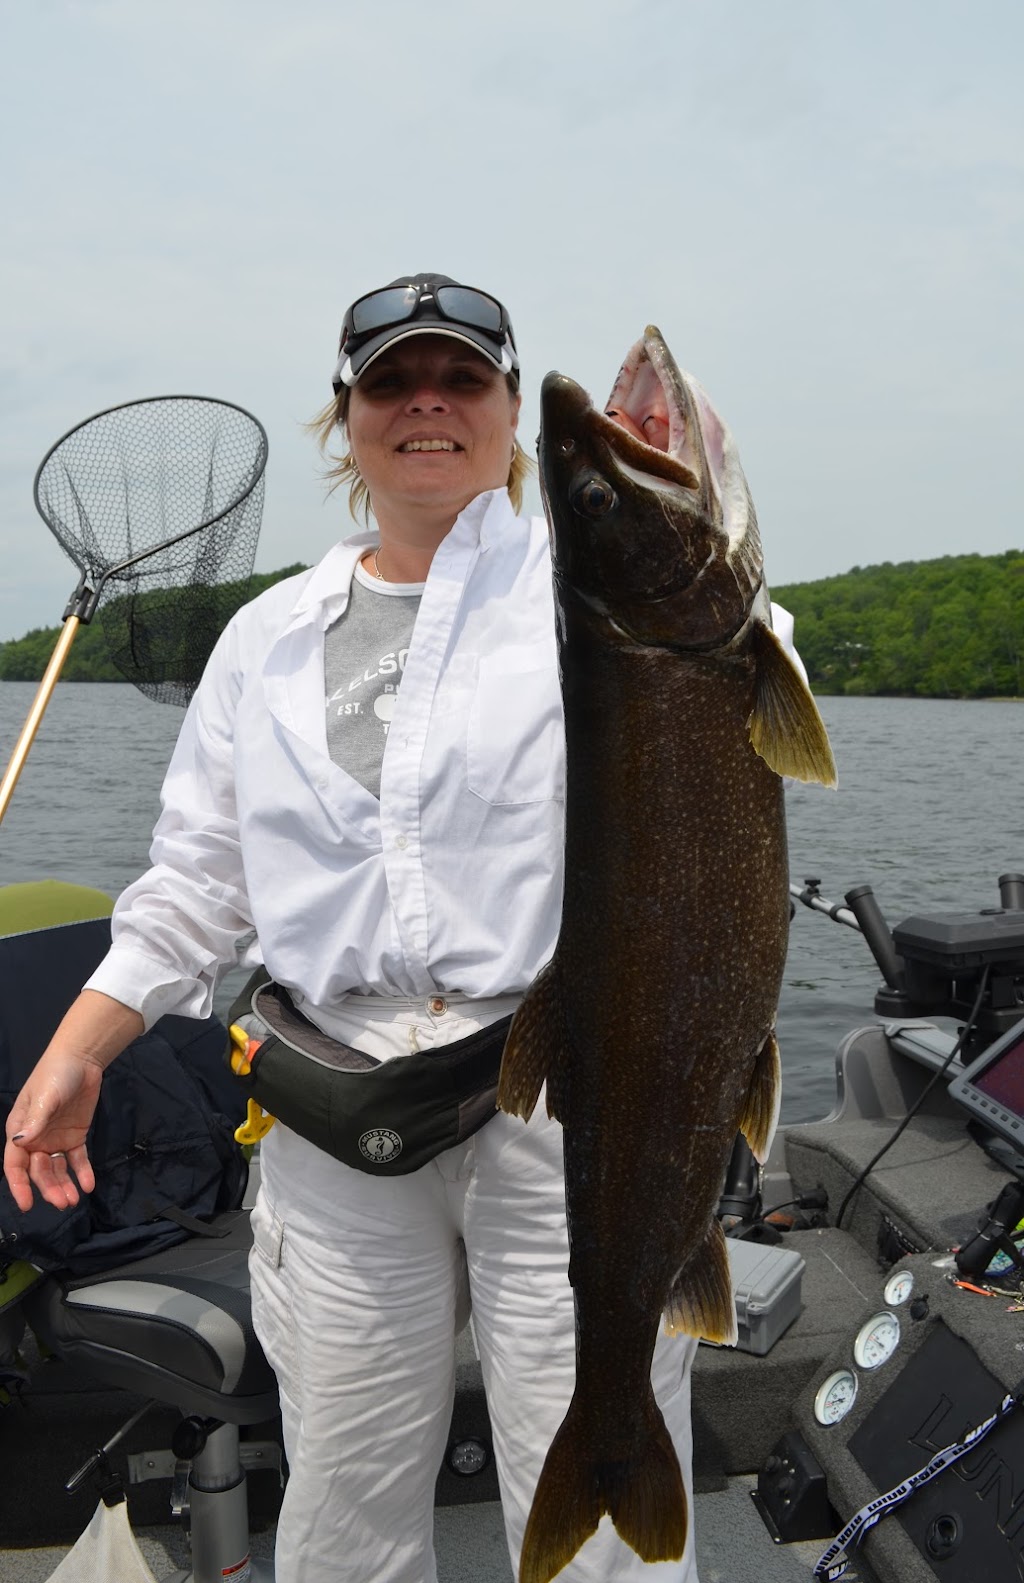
(451, 881)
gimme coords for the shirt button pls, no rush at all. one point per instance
(401, 841)
(437, 1006)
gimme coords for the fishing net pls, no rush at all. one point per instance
(159, 504)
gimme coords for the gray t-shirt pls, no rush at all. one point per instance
(364, 657)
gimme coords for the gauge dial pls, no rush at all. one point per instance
(835, 1396)
(876, 1341)
(898, 1287)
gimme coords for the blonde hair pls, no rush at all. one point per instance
(343, 469)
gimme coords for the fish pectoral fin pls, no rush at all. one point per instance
(786, 729)
(530, 1057)
(764, 1097)
(701, 1302)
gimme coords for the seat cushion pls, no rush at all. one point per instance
(176, 1326)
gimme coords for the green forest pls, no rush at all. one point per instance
(949, 628)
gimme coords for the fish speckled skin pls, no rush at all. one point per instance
(653, 1024)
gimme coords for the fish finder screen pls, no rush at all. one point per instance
(1004, 1080)
(993, 1086)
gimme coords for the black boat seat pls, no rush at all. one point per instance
(175, 1327)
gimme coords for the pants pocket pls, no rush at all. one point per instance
(267, 1233)
(272, 1314)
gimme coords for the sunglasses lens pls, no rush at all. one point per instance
(384, 307)
(469, 307)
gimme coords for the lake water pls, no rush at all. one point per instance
(929, 811)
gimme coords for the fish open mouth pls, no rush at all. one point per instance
(650, 418)
(648, 504)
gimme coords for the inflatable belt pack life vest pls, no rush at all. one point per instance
(384, 1117)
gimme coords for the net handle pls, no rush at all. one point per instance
(38, 709)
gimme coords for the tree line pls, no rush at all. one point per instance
(89, 658)
(948, 628)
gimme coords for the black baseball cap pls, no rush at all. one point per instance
(423, 304)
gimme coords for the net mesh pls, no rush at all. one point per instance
(173, 486)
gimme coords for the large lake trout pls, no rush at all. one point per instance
(652, 1026)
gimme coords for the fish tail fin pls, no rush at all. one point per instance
(530, 1056)
(786, 729)
(644, 1497)
(764, 1097)
(701, 1301)
(646, 1501)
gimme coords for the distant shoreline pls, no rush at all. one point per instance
(950, 628)
(818, 692)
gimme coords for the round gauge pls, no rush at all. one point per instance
(835, 1396)
(876, 1341)
(898, 1287)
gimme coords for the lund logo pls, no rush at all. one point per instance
(380, 1145)
(982, 1470)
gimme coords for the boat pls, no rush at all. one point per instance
(873, 1356)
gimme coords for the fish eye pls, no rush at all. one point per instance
(593, 497)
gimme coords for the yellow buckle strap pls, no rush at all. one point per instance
(258, 1121)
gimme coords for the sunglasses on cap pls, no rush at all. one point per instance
(462, 311)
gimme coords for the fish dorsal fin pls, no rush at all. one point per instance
(700, 1302)
(535, 1043)
(764, 1096)
(786, 729)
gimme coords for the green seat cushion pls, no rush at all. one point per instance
(45, 903)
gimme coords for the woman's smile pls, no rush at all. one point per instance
(431, 425)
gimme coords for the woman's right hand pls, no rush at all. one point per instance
(47, 1129)
(50, 1119)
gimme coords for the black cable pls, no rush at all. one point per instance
(916, 1106)
(816, 1199)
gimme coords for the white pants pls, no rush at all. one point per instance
(358, 1287)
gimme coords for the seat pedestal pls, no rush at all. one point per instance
(219, 1515)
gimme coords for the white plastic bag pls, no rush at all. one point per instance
(106, 1552)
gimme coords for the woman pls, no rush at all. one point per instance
(398, 856)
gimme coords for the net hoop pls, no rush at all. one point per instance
(150, 401)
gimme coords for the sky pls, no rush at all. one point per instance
(819, 202)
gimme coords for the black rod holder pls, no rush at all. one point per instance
(861, 902)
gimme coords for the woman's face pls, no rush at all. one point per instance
(431, 424)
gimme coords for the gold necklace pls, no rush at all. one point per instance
(376, 567)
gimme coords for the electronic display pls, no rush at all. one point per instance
(992, 1087)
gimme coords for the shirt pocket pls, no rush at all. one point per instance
(516, 744)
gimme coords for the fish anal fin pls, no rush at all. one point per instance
(531, 1054)
(786, 729)
(644, 1497)
(764, 1097)
(701, 1301)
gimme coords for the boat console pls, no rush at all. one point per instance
(921, 1164)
